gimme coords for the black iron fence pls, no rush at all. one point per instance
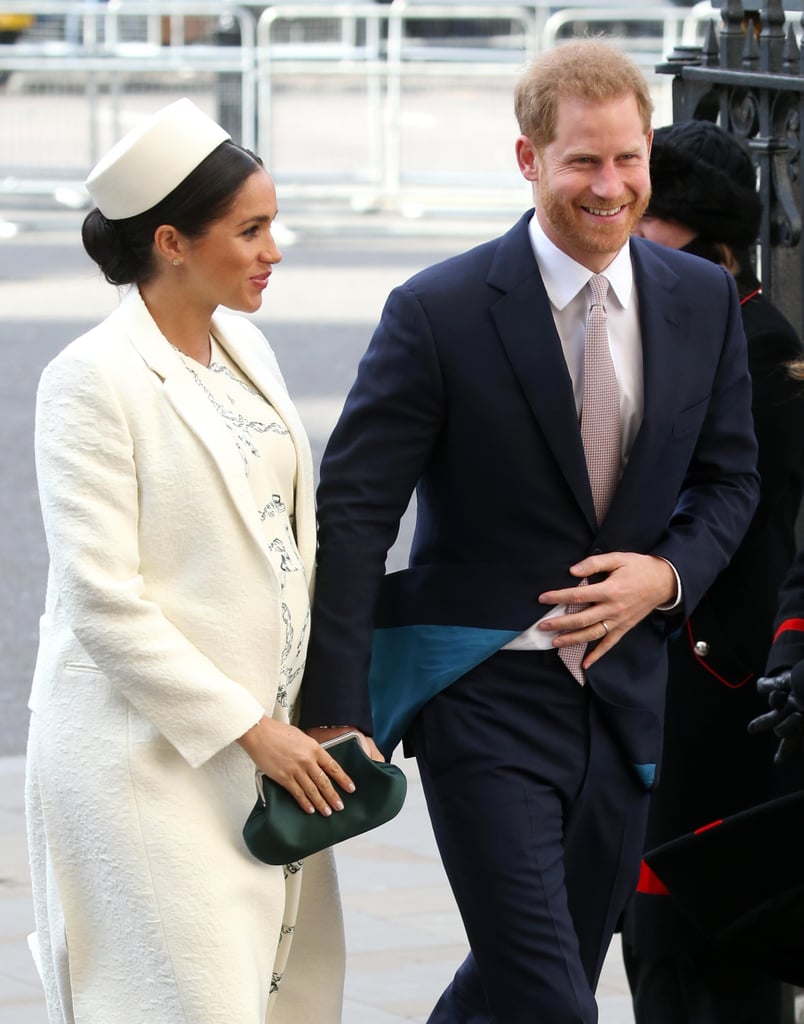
(748, 75)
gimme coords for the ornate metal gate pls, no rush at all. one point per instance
(748, 76)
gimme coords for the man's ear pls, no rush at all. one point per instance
(527, 158)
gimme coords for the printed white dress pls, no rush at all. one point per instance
(263, 444)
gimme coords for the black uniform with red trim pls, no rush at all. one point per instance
(711, 766)
(788, 638)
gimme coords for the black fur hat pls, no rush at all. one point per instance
(704, 178)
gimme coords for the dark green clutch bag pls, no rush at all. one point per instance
(278, 831)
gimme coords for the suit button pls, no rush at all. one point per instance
(701, 648)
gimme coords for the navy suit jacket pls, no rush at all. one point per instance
(464, 394)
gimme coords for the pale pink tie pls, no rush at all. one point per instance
(600, 430)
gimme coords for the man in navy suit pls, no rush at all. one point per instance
(536, 777)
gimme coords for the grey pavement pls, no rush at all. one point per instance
(404, 935)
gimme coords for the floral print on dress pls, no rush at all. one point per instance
(239, 425)
(265, 447)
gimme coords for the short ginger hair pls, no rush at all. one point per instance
(586, 69)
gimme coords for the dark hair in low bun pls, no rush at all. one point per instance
(124, 249)
(121, 254)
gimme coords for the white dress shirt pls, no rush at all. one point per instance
(566, 283)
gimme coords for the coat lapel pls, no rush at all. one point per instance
(262, 370)
(527, 330)
(191, 405)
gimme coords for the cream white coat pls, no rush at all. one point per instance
(160, 645)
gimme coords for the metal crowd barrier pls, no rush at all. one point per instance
(400, 105)
(405, 100)
(86, 72)
(645, 47)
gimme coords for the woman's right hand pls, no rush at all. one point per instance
(322, 733)
(299, 763)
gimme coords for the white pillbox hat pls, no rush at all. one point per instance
(152, 159)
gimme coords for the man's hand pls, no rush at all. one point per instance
(635, 585)
(785, 693)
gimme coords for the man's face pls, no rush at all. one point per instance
(591, 183)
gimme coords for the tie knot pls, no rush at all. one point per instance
(600, 286)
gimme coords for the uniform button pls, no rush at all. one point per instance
(701, 648)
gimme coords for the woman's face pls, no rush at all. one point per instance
(230, 265)
(665, 232)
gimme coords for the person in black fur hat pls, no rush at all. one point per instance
(705, 202)
(704, 183)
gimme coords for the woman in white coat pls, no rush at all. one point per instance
(176, 488)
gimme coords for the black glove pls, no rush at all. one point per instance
(785, 693)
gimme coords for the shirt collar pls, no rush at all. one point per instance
(564, 278)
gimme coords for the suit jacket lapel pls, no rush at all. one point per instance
(663, 317)
(527, 330)
(524, 319)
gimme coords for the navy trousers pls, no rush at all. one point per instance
(539, 821)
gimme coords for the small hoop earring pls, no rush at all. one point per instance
(176, 261)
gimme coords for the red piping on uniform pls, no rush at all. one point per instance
(650, 883)
(796, 624)
(705, 828)
(711, 671)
